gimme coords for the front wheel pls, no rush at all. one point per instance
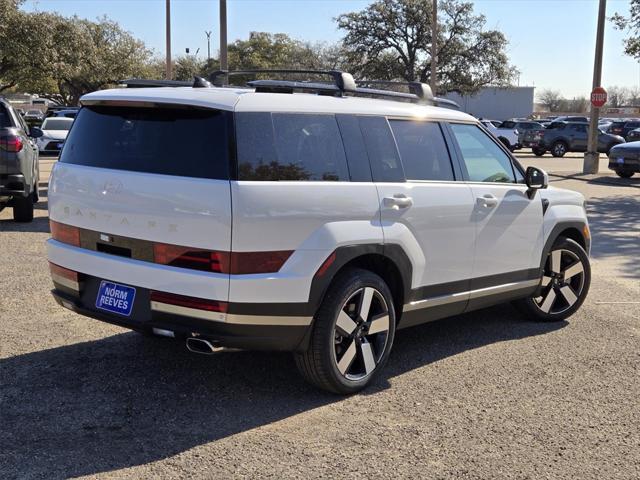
(624, 173)
(352, 334)
(564, 285)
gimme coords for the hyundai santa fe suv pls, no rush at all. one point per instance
(312, 217)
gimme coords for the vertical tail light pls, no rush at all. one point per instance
(11, 143)
(65, 233)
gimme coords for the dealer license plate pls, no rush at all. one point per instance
(115, 298)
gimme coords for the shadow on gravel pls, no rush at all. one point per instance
(39, 224)
(615, 229)
(128, 400)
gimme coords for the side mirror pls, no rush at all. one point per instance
(536, 178)
(36, 132)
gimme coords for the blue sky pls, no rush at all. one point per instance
(550, 41)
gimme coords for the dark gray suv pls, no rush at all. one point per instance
(19, 169)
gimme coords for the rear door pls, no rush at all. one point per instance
(508, 224)
(147, 174)
(424, 209)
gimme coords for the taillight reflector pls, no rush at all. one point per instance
(189, 302)
(63, 272)
(65, 233)
(11, 143)
(326, 264)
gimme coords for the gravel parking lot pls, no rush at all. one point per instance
(483, 395)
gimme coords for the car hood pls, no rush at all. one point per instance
(56, 134)
(629, 147)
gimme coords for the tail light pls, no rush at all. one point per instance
(237, 263)
(188, 302)
(193, 258)
(11, 143)
(65, 233)
(65, 277)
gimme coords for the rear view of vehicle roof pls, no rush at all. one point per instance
(246, 99)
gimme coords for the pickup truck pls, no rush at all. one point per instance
(508, 136)
(562, 137)
(19, 169)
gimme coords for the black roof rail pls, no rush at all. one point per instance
(342, 81)
(144, 83)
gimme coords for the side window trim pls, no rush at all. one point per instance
(514, 163)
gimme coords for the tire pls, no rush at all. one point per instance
(505, 142)
(345, 354)
(558, 149)
(23, 209)
(624, 173)
(560, 296)
(538, 152)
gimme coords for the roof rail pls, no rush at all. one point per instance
(342, 81)
(198, 82)
(422, 91)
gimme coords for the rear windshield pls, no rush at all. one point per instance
(56, 124)
(5, 119)
(169, 141)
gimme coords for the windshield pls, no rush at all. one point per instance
(57, 124)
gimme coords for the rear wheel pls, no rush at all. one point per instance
(352, 334)
(538, 152)
(558, 149)
(23, 209)
(565, 283)
(624, 173)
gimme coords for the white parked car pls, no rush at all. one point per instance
(54, 133)
(508, 136)
(301, 217)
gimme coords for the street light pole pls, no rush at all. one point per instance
(168, 73)
(434, 48)
(208, 34)
(592, 157)
(223, 35)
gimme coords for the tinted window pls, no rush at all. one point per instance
(381, 148)
(284, 146)
(354, 147)
(484, 160)
(57, 124)
(632, 125)
(423, 150)
(169, 141)
(5, 119)
(508, 124)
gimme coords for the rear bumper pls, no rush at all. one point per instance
(248, 337)
(627, 164)
(14, 184)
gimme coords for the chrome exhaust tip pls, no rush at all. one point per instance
(199, 345)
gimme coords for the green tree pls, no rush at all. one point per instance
(391, 39)
(188, 66)
(631, 24)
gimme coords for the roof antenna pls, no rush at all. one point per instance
(199, 82)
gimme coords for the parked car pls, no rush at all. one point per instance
(508, 136)
(625, 159)
(571, 118)
(351, 217)
(34, 116)
(623, 128)
(569, 137)
(633, 135)
(522, 126)
(54, 133)
(64, 113)
(19, 167)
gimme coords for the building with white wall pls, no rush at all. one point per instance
(496, 103)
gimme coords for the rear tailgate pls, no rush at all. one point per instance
(133, 178)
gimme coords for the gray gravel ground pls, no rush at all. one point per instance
(483, 395)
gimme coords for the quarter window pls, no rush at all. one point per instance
(484, 160)
(423, 150)
(283, 146)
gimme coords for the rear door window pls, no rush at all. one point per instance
(186, 142)
(423, 150)
(484, 160)
(284, 146)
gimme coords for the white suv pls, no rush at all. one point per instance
(300, 216)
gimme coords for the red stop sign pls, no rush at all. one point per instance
(598, 97)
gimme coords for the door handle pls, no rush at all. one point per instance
(487, 201)
(398, 201)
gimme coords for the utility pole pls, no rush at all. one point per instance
(592, 157)
(434, 47)
(168, 73)
(223, 35)
(208, 34)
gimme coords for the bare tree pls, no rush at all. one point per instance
(552, 99)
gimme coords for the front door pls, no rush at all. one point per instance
(508, 224)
